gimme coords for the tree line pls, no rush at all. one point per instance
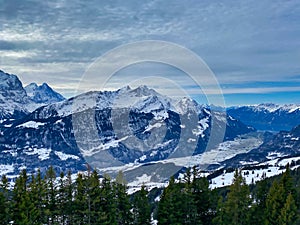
(272, 201)
(38, 200)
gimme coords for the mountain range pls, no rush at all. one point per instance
(268, 116)
(135, 130)
(17, 101)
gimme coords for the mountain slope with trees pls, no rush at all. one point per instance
(93, 200)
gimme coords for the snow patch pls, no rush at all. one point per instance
(43, 153)
(64, 156)
(5, 169)
(31, 124)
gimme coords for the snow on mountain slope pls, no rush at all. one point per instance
(260, 171)
(43, 93)
(268, 116)
(13, 98)
(142, 99)
(282, 144)
(114, 128)
(15, 101)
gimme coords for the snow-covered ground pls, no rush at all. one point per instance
(31, 124)
(64, 156)
(275, 167)
(43, 153)
(225, 150)
(251, 176)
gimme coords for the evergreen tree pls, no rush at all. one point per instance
(51, 191)
(22, 205)
(236, 207)
(219, 218)
(124, 215)
(189, 208)
(202, 197)
(61, 200)
(141, 209)
(274, 203)
(288, 214)
(278, 197)
(35, 212)
(69, 204)
(258, 208)
(108, 203)
(41, 197)
(80, 201)
(4, 202)
(170, 207)
(287, 182)
(96, 212)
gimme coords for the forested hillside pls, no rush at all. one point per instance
(93, 200)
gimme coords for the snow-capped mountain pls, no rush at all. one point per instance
(112, 128)
(43, 94)
(269, 116)
(15, 101)
(13, 98)
(138, 130)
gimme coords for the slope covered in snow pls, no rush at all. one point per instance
(43, 94)
(15, 101)
(268, 116)
(115, 128)
(13, 98)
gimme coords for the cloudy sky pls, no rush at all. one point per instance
(252, 47)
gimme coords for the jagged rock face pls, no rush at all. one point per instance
(16, 102)
(109, 129)
(270, 117)
(131, 126)
(43, 94)
(13, 97)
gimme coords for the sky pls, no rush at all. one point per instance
(251, 47)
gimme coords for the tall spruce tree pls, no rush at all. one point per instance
(188, 201)
(171, 207)
(124, 215)
(22, 205)
(258, 208)
(235, 209)
(69, 204)
(108, 202)
(51, 191)
(5, 214)
(288, 214)
(61, 200)
(96, 212)
(202, 197)
(141, 208)
(277, 198)
(80, 200)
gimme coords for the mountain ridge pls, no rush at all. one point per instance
(15, 101)
(135, 127)
(269, 117)
(43, 93)
(83, 129)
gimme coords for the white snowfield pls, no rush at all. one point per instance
(64, 156)
(270, 107)
(43, 153)
(142, 98)
(226, 178)
(31, 124)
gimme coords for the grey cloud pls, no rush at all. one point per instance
(241, 41)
